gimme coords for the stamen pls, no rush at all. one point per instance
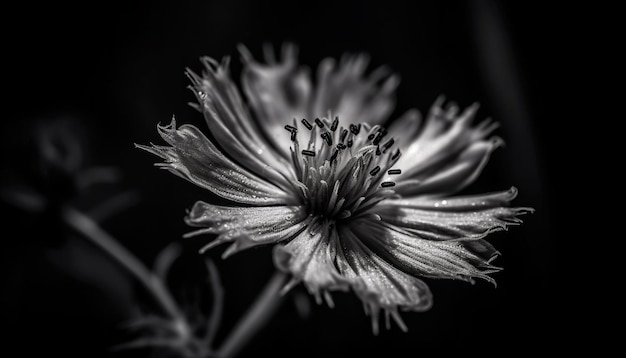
(334, 156)
(333, 127)
(319, 123)
(293, 135)
(344, 133)
(388, 144)
(387, 184)
(307, 124)
(290, 128)
(375, 171)
(310, 153)
(327, 137)
(394, 171)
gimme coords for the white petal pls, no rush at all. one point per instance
(246, 226)
(278, 93)
(455, 218)
(193, 157)
(309, 258)
(232, 126)
(377, 282)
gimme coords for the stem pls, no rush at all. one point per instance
(265, 306)
(94, 233)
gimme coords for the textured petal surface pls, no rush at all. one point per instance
(448, 153)
(193, 157)
(422, 257)
(463, 217)
(246, 226)
(232, 127)
(310, 257)
(379, 284)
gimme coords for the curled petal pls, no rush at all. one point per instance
(246, 227)
(231, 124)
(379, 284)
(193, 157)
(455, 218)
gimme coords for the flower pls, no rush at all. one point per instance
(348, 204)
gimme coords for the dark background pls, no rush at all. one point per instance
(113, 71)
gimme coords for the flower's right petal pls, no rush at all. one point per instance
(193, 157)
(246, 227)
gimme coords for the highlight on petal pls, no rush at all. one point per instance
(245, 227)
(453, 218)
(447, 145)
(193, 157)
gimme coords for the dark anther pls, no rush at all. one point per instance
(355, 128)
(387, 184)
(394, 171)
(293, 135)
(349, 143)
(395, 155)
(378, 152)
(307, 124)
(310, 153)
(341, 146)
(333, 126)
(371, 136)
(327, 137)
(375, 171)
(319, 123)
(388, 144)
(334, 156)
(290, 128)
(342, 136)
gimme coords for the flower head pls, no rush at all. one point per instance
(348, 204)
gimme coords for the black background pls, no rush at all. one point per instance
(116, 70)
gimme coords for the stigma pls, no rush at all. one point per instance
(340, 171)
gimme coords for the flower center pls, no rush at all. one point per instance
(341, 172)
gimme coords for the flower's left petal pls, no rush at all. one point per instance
(378, 283)
(233, 128)
(193, 157)
(345, 90)
(309, 258)
(277, 92)
(454, 218)
(246, 227)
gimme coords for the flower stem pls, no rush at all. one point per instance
(88, 228)
(263, 308)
